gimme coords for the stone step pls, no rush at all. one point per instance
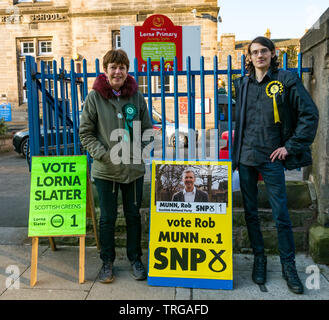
(302, 210)
(300, 195)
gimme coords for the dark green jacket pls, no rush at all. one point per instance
(298, 114)
(102, 114)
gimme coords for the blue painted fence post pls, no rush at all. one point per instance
(33, 106)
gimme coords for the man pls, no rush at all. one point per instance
(190, 192)
(110, 111)
(276, 122)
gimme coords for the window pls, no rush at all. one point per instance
(158, 84)
(41, 50)
(27, 48)
(116, 39)
(45, 47)
(48, 69)
(142, 84)
(23, 70)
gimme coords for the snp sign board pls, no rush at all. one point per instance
(191, 224)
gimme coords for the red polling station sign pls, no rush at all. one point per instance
(158, 37)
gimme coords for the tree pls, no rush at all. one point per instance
(292, 56)
(3, 127)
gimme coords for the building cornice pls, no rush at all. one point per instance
(33, 9)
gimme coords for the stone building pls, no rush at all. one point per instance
(83, 29)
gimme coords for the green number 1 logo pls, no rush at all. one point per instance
(74, 224)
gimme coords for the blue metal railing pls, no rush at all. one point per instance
(63, 93)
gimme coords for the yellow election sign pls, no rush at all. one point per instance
(190, 242)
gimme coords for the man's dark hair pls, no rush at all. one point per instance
(266, 42)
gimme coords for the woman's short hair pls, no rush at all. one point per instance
(266, 42)
(117, 56)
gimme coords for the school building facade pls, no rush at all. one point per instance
(85, 29)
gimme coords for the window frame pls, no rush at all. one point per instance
(157, 84)
(40, 53)
(116, 39)
(47, 57)
(143, 84)
(22, 53)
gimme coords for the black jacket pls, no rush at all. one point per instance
(200, 196)
(298, 114)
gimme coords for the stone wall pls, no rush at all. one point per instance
(315, 49)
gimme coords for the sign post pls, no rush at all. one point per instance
(58, 203)
(191, 233)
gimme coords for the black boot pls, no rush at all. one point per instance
(259, 269)
(289, 273)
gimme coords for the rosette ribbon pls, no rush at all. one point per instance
(272, 89)
(129, 112)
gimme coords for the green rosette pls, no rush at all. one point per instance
(129, 112)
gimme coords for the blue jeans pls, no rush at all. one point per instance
(131, 199)
(274, 179)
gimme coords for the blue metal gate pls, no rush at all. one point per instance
(55, 100)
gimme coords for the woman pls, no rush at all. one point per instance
(114, 119)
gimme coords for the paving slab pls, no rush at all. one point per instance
(276, 287)
(14, 236)
(44, 294)
(14, 261)
(59, 270)
(58, 278)
(125, 287)
(184, 294)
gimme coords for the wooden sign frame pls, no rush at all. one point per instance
(90, 213)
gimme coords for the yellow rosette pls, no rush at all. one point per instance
(272, 89)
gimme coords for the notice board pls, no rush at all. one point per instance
(190, 243)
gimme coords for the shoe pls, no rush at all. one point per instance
(106, 273)
(139, 272)
(259, 269)
(289, 273)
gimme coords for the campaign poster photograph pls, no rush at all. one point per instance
(185, 188)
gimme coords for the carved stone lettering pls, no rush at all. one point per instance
(47, 17)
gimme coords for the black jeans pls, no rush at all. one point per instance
(131, 198)
(273, 175)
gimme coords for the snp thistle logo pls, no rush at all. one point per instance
(13, 15)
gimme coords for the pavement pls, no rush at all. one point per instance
(58, 279)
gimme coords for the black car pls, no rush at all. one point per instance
(21, 141)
